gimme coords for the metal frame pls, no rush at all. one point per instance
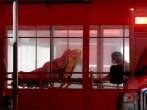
(47, 1)
(15, 60)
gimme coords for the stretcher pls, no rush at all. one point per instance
(46, 78)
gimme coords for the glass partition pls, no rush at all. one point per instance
(41, 47)
(41, 59)
(104, 40)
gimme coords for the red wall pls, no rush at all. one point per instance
(2, 66)
(57, 99)
(96, 12)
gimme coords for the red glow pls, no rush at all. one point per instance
(131, 9)
(140, 20)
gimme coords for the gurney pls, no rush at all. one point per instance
(43, 80)
(46, 79)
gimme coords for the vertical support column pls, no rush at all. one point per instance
(123, 48)
(2, 71)
(100, 50)
(36, 40)
(85, 74)
(15, 65)
(132, 41)
(86, 56)
(51, 52)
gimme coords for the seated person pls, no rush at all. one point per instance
(117, 59)
(118, 68)
(116, 74)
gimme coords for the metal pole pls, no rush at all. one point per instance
(51, 52)
(15, 71)
(132, 40)
(2, 48)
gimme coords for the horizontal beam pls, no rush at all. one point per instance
(47, 1)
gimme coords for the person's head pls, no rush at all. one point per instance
(116, 57)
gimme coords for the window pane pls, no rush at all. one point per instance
(43, 51)
(68, 31)
(59, 31)
(126, 31)
(9, 33)
(110, 38)
(126, 51)
(100, 55)
(94, 31)
(26, 33)
(43, 33)
(34, 51)
(110, 45)
(60, 46)
(10, 55)
(26, 54)
(77, 43)
(93, 55)
(113, 33)
(75, 33)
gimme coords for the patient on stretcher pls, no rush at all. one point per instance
(65, 63)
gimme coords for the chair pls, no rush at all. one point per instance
(72, 62)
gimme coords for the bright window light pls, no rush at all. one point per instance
(140, 20)
(126, 54)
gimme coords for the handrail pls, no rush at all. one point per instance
(42, 79)
(47, 1)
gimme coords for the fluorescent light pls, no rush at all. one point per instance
(140, 20)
